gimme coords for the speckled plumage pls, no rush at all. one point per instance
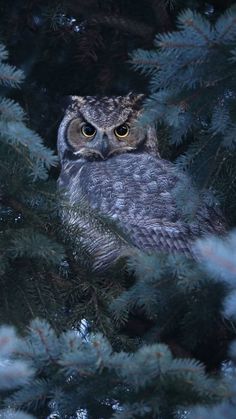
(132, 187)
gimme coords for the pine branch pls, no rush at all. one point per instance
(10, 76)
(225, 26)
(122, 24)
(78, 365)
(13, 373)
(11, 111)
(28, 243)
(218, 256)
(3, 52)
(145, 61)
(13, 414)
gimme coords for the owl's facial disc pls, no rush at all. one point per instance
(86, 140)
(100, 142)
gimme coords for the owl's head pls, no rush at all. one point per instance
(101, 127)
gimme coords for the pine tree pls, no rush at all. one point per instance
(192, 89)
(75, 374)
(26, 208)
(13, 373)
(218, 259)
(121, 344)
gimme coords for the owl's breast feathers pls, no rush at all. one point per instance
(137, 191)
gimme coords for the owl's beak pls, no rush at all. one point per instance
(104, 146)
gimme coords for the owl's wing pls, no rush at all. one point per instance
(151, 235)
(173, 237)
(136, 191)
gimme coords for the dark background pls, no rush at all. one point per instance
(82, 47)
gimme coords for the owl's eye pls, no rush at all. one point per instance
(88, 130)
(122, 131)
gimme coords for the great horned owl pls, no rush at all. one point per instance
(113, 163)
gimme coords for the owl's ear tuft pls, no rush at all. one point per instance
(71, 102)
(77, 99)
(136, 99)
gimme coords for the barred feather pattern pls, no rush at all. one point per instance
(136, 190)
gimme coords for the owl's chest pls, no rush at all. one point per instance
(124, 186)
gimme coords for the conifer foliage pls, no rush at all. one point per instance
(74, 373)
(13, 373)
(26, 205)
(156, 330)
(218, 259)
(193, 86)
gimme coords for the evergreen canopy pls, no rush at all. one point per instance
(155, 335)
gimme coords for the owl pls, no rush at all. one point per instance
(110, 165)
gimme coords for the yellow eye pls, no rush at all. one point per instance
(88, 130)
(122, 131)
